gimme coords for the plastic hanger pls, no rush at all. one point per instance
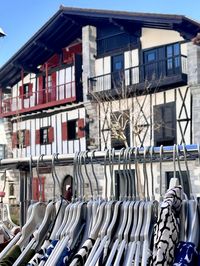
(193, 216)
(36, 217)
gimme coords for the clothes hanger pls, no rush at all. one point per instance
(40, 234)
(75, 223)
(184, 209)
(150, 210)
(102, 236)
(124, 242)
(193, 216)
(124, 212)
(60, 203)
(36, 217)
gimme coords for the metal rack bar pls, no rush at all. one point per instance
(68, 159)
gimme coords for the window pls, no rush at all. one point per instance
(165, 124)
(120, 129)
(72, 129)
(21, 139)
(44, 136)
(117, 71)
(26, 90)
(173, 58)
(11, 189)
(161, 61)
(48, 83)
(170, 175)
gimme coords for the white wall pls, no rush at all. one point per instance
(58, 146)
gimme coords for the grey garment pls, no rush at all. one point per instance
(166, 229)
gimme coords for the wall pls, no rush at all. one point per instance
(152, 37)
(181, 96)
(55, 121)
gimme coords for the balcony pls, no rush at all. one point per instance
(37, 100)
(169, 72)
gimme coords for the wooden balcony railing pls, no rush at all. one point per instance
(38, 100)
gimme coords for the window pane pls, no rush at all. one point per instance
(176, 49)
(151, 56)
(169, 64)
(169, 51)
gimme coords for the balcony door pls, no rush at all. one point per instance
(150, 64)
(117, 67)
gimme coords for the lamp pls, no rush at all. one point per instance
(2, 33)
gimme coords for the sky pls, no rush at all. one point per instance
(20, 19)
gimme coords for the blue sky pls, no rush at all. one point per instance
(20, 19)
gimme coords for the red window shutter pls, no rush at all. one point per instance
(27, 138)
(53, 91)
(37, 137)
(64, 131)
(40, 90)
(21, 92)
(81, 129)
(14, 139)
(51, 134)
(30, 89)
(35, 188)
(43, 187)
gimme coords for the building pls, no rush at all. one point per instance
(88, 71)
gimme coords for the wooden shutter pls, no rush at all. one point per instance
(81, 128)
(27, 138)
(35, 188)
(37, 136)
(43, 187)
(40, 90)
(51, 134)
(64, 131)
(53, 91)
(21, 92)
(14, 140)
(30, 89)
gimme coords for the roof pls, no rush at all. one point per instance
(66, 25)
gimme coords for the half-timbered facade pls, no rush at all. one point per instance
(64, 90)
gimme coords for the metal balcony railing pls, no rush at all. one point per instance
(152, 71)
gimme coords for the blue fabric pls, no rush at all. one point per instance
(185, 254)
(49, 250)
(64, 257)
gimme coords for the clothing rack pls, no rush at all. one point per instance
(25, 165)
(133, 236)
(193, 151)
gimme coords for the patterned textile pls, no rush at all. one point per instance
(185, 254)
(49, 250)
(64, 257)
(80, 258)
(39, 255)
(166, 229)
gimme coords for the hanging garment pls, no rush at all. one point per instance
(185, 254)
(166, 229)
(40, 254)
(80, 258)
(11, 256)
